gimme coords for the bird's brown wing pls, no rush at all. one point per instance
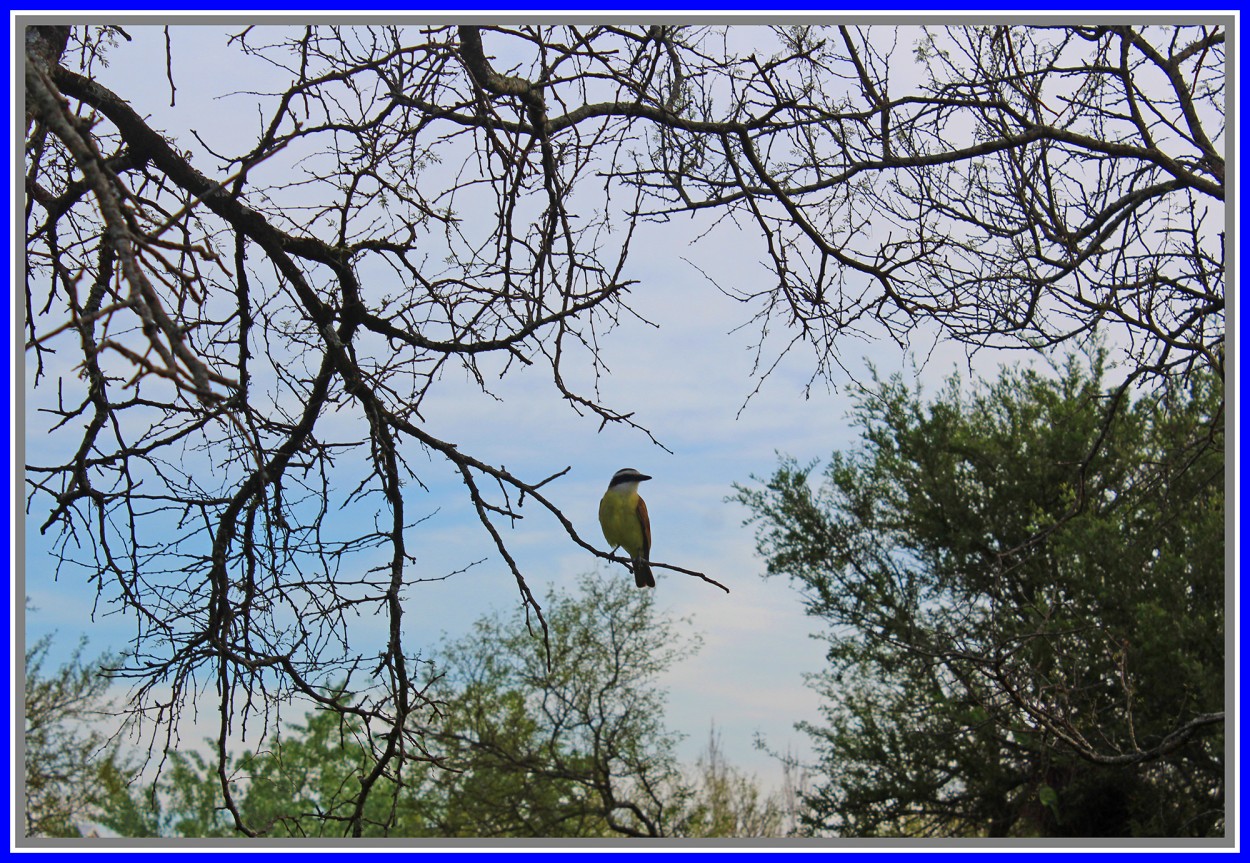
(646, 528)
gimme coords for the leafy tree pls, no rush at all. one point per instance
(725, 802)
(1026, 630)
(61, 741)
(302, 785)
(125, 808)
(519, 748)
(233, 336)
(565, 742)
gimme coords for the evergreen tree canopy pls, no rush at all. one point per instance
(1025, 599)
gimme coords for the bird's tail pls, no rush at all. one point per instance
(642, 573)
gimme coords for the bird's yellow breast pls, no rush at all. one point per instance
(618, 515)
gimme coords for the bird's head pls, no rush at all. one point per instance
(627, 475)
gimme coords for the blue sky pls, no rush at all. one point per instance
(686, 380)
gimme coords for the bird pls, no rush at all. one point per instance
(623, 517)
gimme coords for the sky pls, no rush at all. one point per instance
(688, 380)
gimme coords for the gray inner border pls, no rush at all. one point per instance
(18, 21)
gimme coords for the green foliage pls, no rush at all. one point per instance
(517, 747)
(60, 710)
(576, 747)
(1024, 587)
(124, 808)
(726, 802)
(300, 786)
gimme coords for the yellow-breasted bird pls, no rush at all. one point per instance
(623, 517)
